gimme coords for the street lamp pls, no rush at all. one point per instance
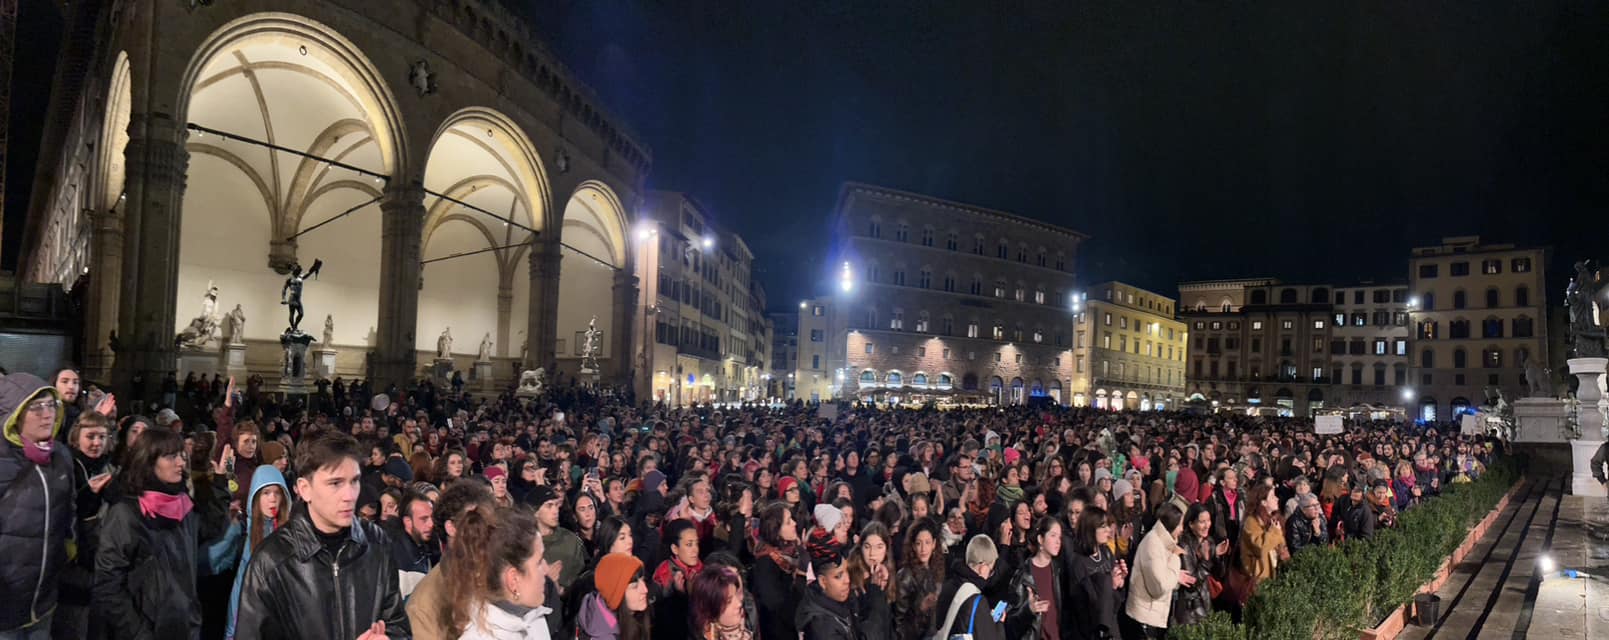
(1407, 394)
(801, 304)
(708, 242)
(1413, 303)
(846, 278)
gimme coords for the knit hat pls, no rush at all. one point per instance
(1121, 488)
(614, 573)
(915, 483)
(786, 483)
(273, 452)
(652, 480)
(1102, 474)
(1012, 454)
(828, 516)
(540, 494)
(399, 469)
(492, 473)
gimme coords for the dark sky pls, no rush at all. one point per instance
(1306, 141)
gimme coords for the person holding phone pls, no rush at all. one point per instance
(963, 609)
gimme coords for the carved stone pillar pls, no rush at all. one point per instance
(543, 317)
(402, 215)
(505, 311)
(105, 284)
(625, 319)
(156, 165)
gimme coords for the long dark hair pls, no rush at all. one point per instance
(140, 475)
(604, 534)
(633, 625)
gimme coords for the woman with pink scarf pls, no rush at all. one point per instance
(150, 554)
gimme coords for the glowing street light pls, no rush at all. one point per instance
(646, 231)
(846, 278)
(801, 304)
(1407, 394)
(1413, 303)
(708, 242)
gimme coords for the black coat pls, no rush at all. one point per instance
(1021, 621)
(295, 587)
(820, 618)
(979, 619)
(145, 574)
(36, 513)
(776, 595)
(1225, 521)
(1299, 533)
(876, 614)
(1090, 600)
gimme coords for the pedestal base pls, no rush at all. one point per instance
(324, 362)
(234, 360)
(482, 373)
(442, 370)
(201, 363)
(1540, 420)
(1581, 481)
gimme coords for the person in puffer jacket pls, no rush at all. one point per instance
(37, 498)
(268, 512)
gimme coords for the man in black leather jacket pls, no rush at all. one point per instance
(1307, 526)
(325, 575)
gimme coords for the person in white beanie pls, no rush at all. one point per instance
(831, 530)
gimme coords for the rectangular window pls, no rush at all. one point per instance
(1106, 341)
(815, 362)
(1217, 325)
(1491, 267)
(1458, 269)
(997, 356)
(1401, 347)
(921, 352)
(972, 329)
(1318, 345)
(1123, 322)
(1256, 345)
(1427, 271)
(815, 335)
(894, 350)
(1318, 372)
(1340, 319)
(818, 311)
(1520, 265)
(1257, 325)
(1379, 346)
(1080, 362)
(1108, 320)
(1287, 324)
(870, 348)
(1338, 346)
(1318, 324)
(946, 354)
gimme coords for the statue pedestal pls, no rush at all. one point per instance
(442, 370)
(1581, 481)
(482, 373)
(1589, 395)
(234, 360)
(324, 362)
(201, 363)
(1540, 420)
(294, 372)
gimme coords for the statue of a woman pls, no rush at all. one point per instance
(444, 343)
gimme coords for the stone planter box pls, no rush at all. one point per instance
(1398, 619)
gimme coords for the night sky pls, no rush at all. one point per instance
(1193, 140)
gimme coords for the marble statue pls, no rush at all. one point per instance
(203, 328)
(1538, 380)
(291, 294)
(329, 329)
(235, 324)
(525, 347)
(1580, 298)
(444, 344)
(1498, 414)
(589, 348)
(485, 353)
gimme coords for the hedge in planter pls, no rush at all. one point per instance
(1336, 592)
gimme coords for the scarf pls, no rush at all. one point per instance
(784, 561)
(166, 501)
(1009, 494)
(38, 452)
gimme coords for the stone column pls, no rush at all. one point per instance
(542, 318)
(156, 165)
(105, 285)
(505, 312)
(624, 325)
(402, 215)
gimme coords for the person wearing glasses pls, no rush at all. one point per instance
(36, 496)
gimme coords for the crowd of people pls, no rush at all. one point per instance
(422, 512)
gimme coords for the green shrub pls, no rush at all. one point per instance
(1333, 593)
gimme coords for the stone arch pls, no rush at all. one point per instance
(297, 84)
(109, 169)
(596, 259)
(490, 188)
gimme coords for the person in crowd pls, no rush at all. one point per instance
(37, 500)
(735, 519)
(497, 476)
(1374, 512)
(681, 542)
(268, 509)
(498, 578)
(614, 536)
(827, 612)
(963, 608)
(920, 577)
(429, 604)
(286, 594)
(1306, 527)
(565, 554)
(871, 579)
(92, 473)
(1225, 500)
(1158, 572)
(1262, 536)
(1036, 588)
(617, 608)
(150, 555)
(778, 576)
(1094, 577)
(413, 545)
(697, 506)
(1203, 560)
(716, 605)
(582, 518)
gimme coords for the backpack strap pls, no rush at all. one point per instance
(966, 590)
(972, 619)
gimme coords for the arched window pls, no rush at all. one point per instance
(1492, 301)
(1427, 359)
(895, 379)
(1460, 359)
(919, 380)
(1459, 299)
(1491, 328)
(1287, 296)
(944, 381)
(1522, 296)
(1321, 296)
(868, 377)
(1259, 296)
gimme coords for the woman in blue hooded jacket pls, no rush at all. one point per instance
(269, 510)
